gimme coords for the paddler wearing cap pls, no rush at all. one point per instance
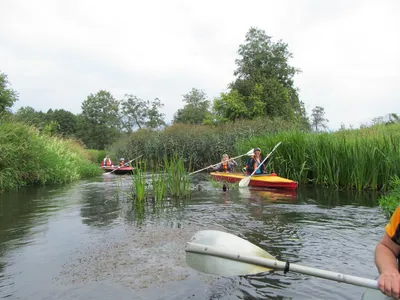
(254, 161)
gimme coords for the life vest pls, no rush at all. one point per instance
(107, 162)
(225, 167)
(256, 164)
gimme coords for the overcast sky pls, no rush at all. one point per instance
(56, 53)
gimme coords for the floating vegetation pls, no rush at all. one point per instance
(169, 182)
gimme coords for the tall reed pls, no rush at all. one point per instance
(177, 177)
(159, 185)
(139, 186)
(357, 159)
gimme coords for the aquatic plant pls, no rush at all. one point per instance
(177, 178)
(159, 185)
(139, 186)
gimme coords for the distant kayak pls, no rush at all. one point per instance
(262, 180)
(117, 170)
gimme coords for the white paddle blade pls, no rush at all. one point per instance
(244, 182)
(250, 153)
(222, 266)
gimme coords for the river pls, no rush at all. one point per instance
(86, 241)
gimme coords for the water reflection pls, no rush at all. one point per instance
(129, 244)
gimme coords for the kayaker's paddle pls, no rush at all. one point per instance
(245, 181)
(123, 165)
(210, 166)
(220, 253)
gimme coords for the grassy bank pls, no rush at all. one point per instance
(28, 158)
(390, 201)
(360, 159)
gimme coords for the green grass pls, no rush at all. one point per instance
(390, 201)
(355, 159)
(29, 158)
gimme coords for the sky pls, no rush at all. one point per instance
(56, 53)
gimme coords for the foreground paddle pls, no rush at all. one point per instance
(220, 253)
(107, 173)
(210, 166)
(245, 181)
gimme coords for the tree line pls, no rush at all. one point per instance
(264, 87)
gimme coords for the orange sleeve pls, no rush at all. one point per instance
(392, 228)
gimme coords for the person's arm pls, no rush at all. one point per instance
(386, 253)
(216, 167)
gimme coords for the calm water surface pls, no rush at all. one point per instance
(86, 241)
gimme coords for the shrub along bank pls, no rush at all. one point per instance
(29, 158)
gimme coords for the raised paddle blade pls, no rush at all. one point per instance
(250, 153)
(201, 261)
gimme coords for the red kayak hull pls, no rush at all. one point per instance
(119, 171)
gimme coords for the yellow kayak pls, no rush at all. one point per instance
(263, 180)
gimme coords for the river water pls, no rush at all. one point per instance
(85, 240)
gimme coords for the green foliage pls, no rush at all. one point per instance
(155, 118)
(139, 186)
(264, 85)
(96, 156)
(359, 159)
(391, 200)
(199, 144)
(7, 95)
(177, 177)
(28, 158)
(196, 109)
(139, 113)
(101, 109)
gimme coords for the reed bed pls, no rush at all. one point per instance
(197, 145)
(355, 159)
(29, 158)
(169, 181)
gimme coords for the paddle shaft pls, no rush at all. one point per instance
(269, 154)
(123, 165)
(279, 265)
(245, 181)
(217, 164)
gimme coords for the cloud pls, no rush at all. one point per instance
(58, 52)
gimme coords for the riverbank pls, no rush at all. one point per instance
(30, 158)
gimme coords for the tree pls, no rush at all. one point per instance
(101, 109)
(7, 95)
(134, 112)
(195, 110)
(317, 118)
(98, 125)
(66, 121)
(155, 117)
(264, 85)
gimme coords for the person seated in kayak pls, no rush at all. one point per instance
(106, 162)
(225, 165)
(387, 252)
(121, 162)
(254, 161)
